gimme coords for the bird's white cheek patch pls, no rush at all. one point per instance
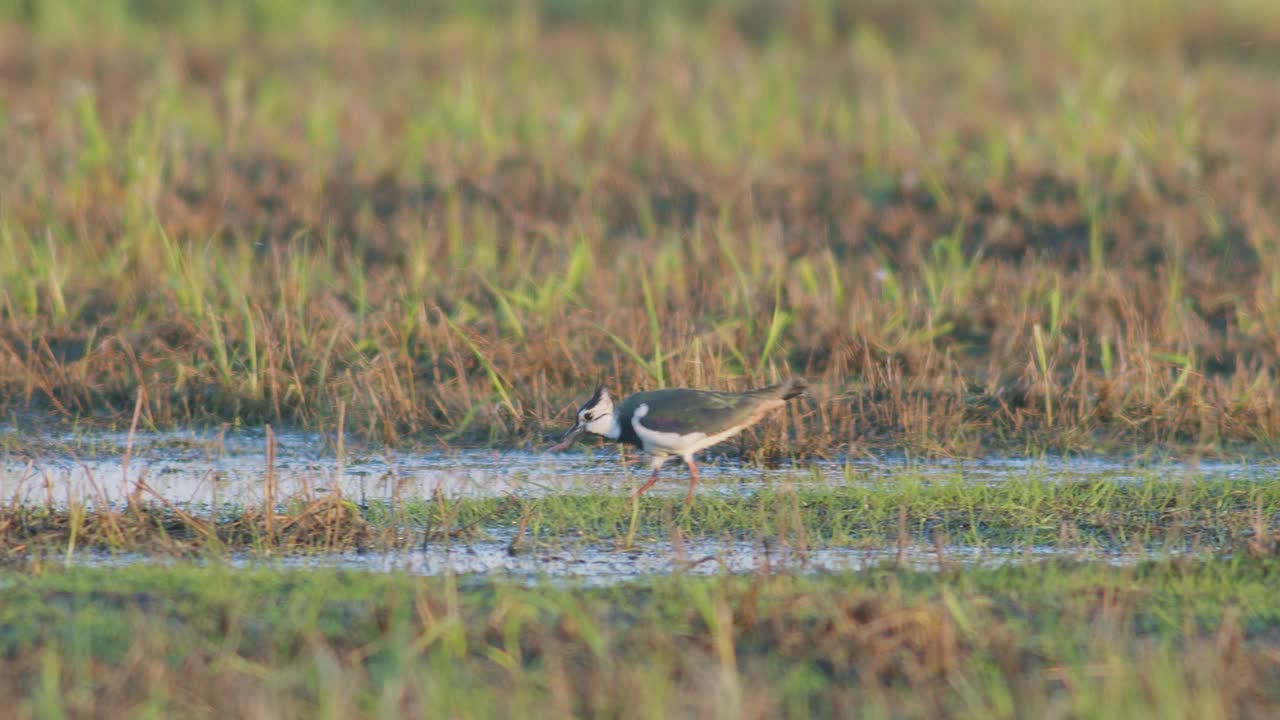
(606, 425)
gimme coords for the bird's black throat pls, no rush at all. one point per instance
(628, 433)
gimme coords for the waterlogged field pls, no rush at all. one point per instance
(529, 514)
(144, 574)
(293, 296)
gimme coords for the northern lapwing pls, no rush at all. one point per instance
(677, 422)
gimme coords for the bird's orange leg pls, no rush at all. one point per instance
(647, 485)
(693, 481)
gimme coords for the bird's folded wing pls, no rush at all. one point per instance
(706, 412)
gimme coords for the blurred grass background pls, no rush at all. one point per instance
(1088, 641)
(974, 226)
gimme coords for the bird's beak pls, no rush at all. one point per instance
(569, 438)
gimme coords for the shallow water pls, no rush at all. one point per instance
(215, 469)
(595, 564)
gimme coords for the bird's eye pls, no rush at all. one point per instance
(588, 417)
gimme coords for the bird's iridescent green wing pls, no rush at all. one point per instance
(691, 411)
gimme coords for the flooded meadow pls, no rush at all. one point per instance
(526, 515)
(295, 297)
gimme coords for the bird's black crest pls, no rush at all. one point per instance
(595, 397)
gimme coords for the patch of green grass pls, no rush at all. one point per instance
(1142, 513)
(1161, 639)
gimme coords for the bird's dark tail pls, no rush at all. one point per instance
(793, 388)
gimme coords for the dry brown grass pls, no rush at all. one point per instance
(311, 227)
(326, 524)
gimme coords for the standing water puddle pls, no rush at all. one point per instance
(597, 566)
(229, 469)
(209, 470)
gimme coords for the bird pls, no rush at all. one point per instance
(676, 422)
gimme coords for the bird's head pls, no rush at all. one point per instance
(595, 417)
